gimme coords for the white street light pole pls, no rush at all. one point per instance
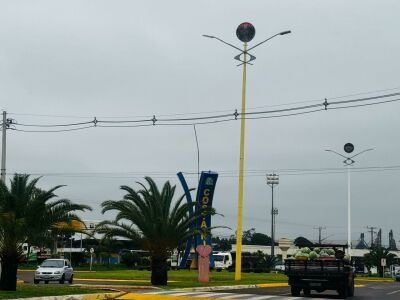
(348, 162)
(348, 212)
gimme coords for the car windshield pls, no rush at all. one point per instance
(52, 264)
(218, 257)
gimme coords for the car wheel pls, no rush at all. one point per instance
(307, 292)
(295, 291)
(62, 280)
(71, 279)
(46, 282)
(35, 281)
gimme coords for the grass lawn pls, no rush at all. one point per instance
(183, 278)
(26, 291)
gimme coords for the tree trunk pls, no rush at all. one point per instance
(159, 268)
(8, 280)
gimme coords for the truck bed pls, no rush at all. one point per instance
(316, 267)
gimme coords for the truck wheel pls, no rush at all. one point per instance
(343, 292)
(307, 292)
(295, 291)
(350, 289)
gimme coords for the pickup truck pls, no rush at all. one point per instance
(328, 273)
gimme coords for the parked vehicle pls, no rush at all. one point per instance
(222, 260)
(397, 276)
(279, 267)
(324, 273)
(54, 270)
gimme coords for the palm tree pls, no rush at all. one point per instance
(150, 217)
(374, 257)
(27, 215)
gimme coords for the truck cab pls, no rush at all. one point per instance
(222, 260)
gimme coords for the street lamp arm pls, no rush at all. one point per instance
(222, 41)
(337, 153)
(362, 152)
(280, 33)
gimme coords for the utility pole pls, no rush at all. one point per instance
(371, 230)
(3, 147)
(272, 180)
(320, 228)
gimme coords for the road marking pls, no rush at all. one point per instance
(262, 297)
(235, 296)
(268, 285)
(394, 292)
(156, 297)
(173, 295)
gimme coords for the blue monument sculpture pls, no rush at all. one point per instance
(204, 197)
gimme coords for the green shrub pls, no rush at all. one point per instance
(130, 259)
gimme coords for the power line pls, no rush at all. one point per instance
(193, 174)
(60, 130)
(203, 112)
(305, 109)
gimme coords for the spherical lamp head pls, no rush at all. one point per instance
(348, 147)
(245, 32)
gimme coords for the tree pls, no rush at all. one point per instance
(373, 258)
(221, 244)
(150, 217)
(302, 242)
(26, 215)
(261, 239)
(251, 237)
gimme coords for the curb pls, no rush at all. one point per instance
(99, 296)
(374, 280)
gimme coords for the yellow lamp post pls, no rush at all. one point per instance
(245, 33)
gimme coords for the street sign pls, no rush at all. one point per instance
(245, 32)
(91, 250)
(383, 262)
(348, 148)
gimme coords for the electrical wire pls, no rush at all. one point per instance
(54, 125)
(364, 93)
(61, 130)
(305, 109)
(365, 99)
(222, 173)
(204, 112)
(367, 104)
(286, 115)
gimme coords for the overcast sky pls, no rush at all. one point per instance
(71, 61)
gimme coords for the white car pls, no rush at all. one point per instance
(279, 267)
(54, 270)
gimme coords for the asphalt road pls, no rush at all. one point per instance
(364, 290)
